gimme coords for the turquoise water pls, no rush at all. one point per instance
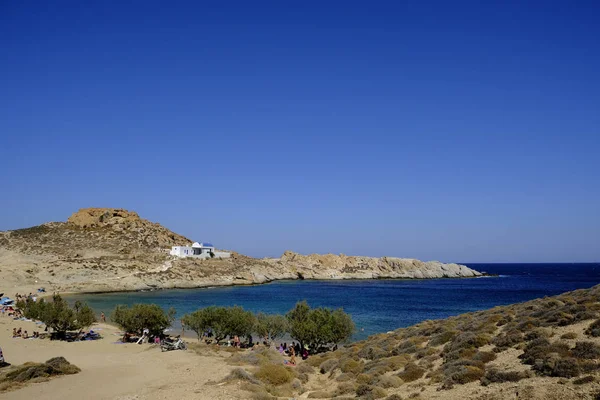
(378, 305)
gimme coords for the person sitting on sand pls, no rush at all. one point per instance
(19, 332)
(15, 334)
(25, 335)
(292, 356)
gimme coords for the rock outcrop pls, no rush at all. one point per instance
(110, 249)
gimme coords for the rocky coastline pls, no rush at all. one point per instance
(110, 250)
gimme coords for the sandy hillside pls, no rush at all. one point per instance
(116, 371)
(107, 249)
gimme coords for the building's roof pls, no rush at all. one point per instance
(196, 245)
(207, 245)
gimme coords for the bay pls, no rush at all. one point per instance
(376, 305)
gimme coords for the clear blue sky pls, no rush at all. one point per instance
(457, 131)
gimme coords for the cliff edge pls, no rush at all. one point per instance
(112, 249)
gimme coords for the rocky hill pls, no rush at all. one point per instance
(108, 249)
(544, 349)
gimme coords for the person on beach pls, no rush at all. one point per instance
(102, 317)
(236, 341)
(15, 334)
(292, 356)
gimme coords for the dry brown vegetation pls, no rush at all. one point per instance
(17, 376)
(545, 341)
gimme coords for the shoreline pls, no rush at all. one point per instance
(231, 284)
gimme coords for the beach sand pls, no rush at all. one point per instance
(116, 371)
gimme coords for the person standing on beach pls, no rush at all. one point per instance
(102, 317)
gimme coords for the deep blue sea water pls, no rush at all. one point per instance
(378, 305)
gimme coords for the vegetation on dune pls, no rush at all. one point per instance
(138, 317)
(58, 315)
(17, 376)
(463, 349)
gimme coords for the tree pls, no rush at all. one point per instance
(240, 322)
(342, 327)
(222, 321)
(143, 316)
(319, 327)
(271, 327)
(301, 327)
(200, 321)
(57, 314)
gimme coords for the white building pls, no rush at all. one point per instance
(198, 250)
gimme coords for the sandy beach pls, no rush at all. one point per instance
(116, 371)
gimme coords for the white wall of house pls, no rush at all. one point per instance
(181, 251)
(188, 251)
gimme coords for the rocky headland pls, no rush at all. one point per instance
(108, 249)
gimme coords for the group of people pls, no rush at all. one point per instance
(293, 350)
(20, 333)
(23, 297)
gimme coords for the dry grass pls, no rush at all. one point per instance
(274, 374)
(15, 377)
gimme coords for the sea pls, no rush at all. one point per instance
(375, 305)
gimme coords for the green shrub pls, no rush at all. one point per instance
(569, 335)
(387, 381)
(394, 397)
(344, 377)
(345, 388)
(328, 366)
(305, 368)
(463, 371)
(240, 374)
(466, 373)
(537, 334)
(484, 356)
(274, 374)
(373, 352)
(496, 376)
(586, 350)
(553, 365)
(442, 338)
(411, 372)
(541, 348)
(584, 380)
(366, 379)
(467, 340)
(352, 366)
(28, 371)
(370, 392)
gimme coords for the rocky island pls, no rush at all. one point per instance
(109, 249)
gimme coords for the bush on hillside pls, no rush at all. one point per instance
(28, 371)
(411, 372)
(497, 376)
(274, 374)
(586, 350)
(594, 329)
(138, 317)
